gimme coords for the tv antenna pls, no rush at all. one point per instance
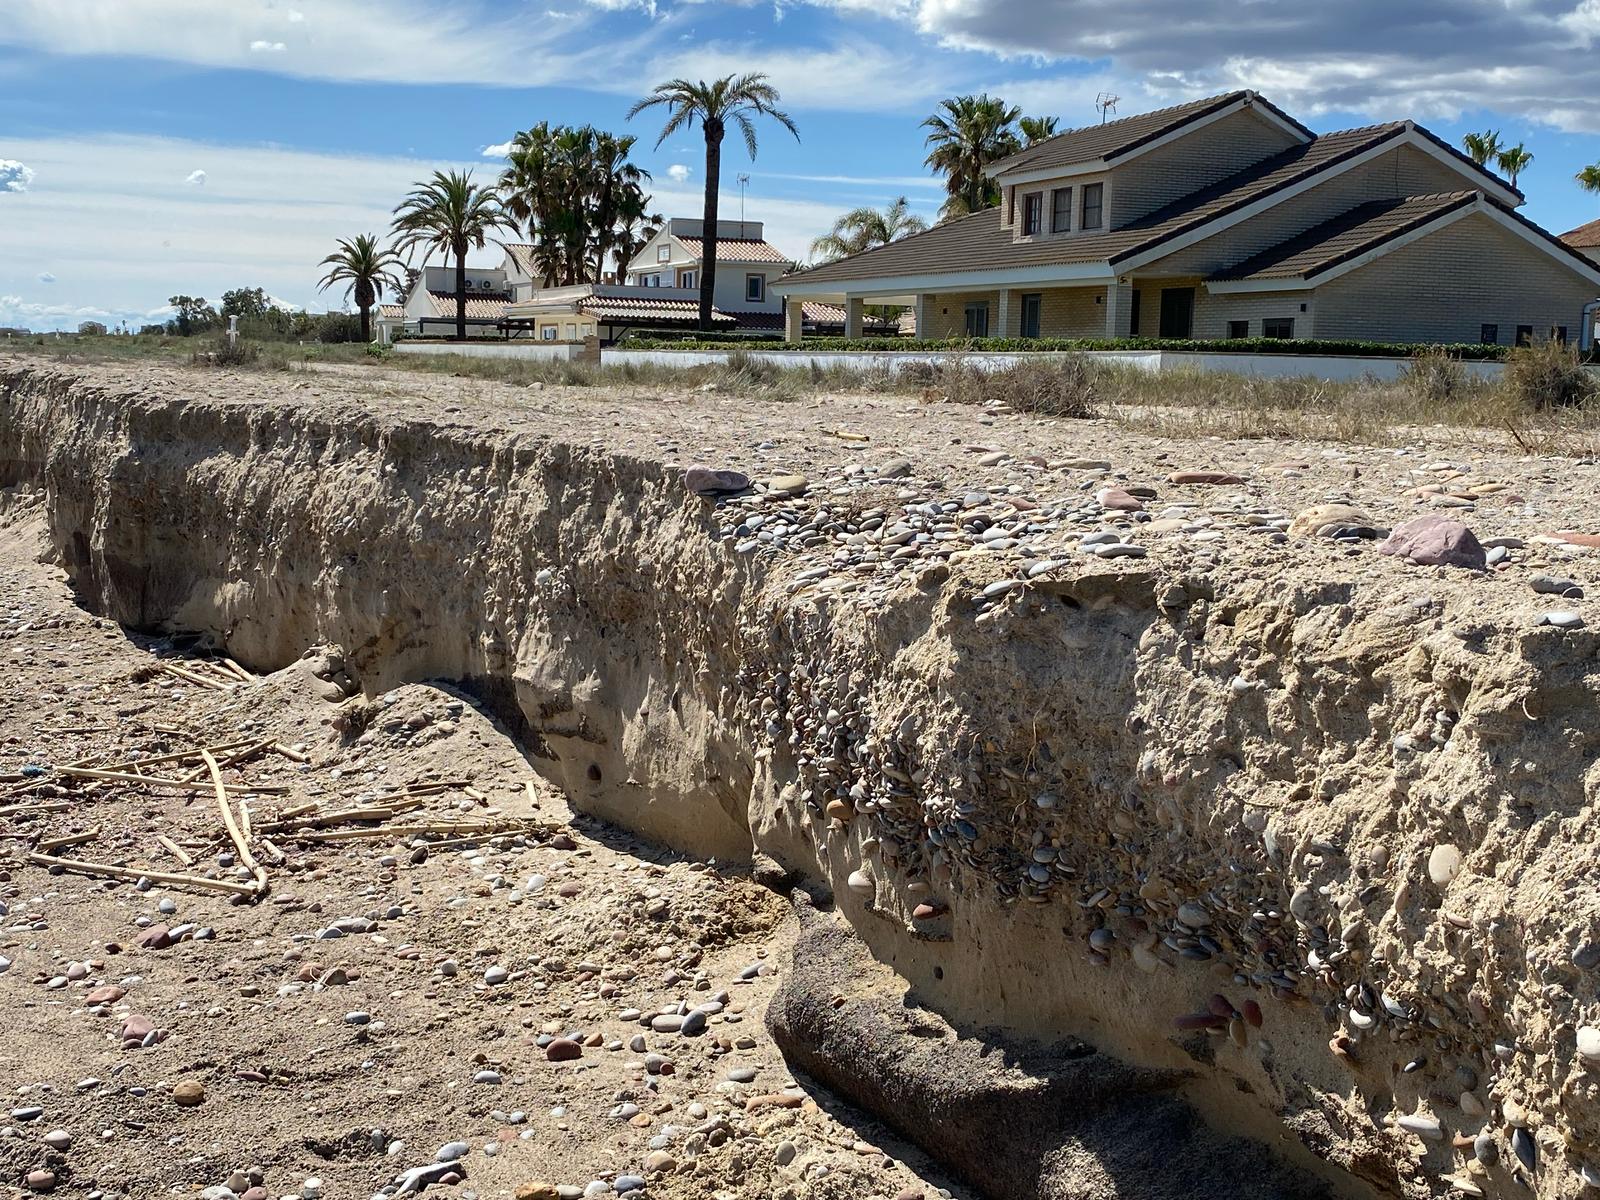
(744, 182)
(1106, 102)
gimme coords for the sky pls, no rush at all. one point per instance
(157, 147)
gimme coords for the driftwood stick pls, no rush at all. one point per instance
(78, 867)
(290, 753)
(227, 664)
(195, 677)
(470, 831)
(68, 839)
(158, 781)
(42, 807)
(250, 750)
(242, 845)
(177, 851)
(176, 756)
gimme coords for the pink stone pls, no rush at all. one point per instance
(1436, 541)
(1203, 477)
(1114, 497)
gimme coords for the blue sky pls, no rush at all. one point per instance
(152, 147)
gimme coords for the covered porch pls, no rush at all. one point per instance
(1108, 308)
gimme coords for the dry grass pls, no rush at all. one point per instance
(1545, 403)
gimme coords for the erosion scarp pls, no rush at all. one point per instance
(1296, 833)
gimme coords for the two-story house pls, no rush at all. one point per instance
(1226, 218)
(661, 289)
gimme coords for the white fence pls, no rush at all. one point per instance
(547, 351)
(1329, 366)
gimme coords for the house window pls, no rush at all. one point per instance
(1032, 306)
(1560, 334)
(548, 333)
(1061, 210)
(663, 253)
(978, 319)
(1524, 335)
(686, 279)
(1278, 327)
(755, 288)
(572, 331)
(1032, 213)
(1238, 329)
(1489, 335)
(1094, 196)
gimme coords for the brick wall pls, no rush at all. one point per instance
(1402, 171)
(1203, 157)
(1443, 287)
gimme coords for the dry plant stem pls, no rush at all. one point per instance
(78, 867)
(68, 839)
(239, 841)
(175, 850)
(177, 756)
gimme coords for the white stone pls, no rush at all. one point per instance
(1444, 864)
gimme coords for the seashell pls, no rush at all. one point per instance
(1252, 1013)
(1238, 1032)
(1221, 1006)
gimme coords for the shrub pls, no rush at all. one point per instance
(1301, 346)
(224, 353)
(1066, 387)
(1547, 374)
(1434, 375)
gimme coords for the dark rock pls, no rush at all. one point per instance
(709, 481)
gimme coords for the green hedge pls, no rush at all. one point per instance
(1299, 346)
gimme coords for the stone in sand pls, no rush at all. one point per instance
(1436, 541)
(709, 481)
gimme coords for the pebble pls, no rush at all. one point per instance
(1444, 864)
(1423, 1127)
(1562, 620)
(1589, 1043)
(189, 1093)
(58, 1139)
(451, 1151)
(563, 1050)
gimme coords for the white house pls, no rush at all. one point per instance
(429, 308)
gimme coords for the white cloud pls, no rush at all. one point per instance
(1427, 58)
(46, 277)
(295, 17)
(113, 218)
(195, 179)
(498, 150)
(262, 46)
(14, 176)
(678, 173)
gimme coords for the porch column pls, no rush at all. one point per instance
(855, 317)
(1119, 309)
(1008, 315)
(922, 309)
(794, 320)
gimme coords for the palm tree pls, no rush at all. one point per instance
(863, 228)
(1483, 147)
(967, 134)
(636, 225)
(1589, 179)
(1037, 129)
(733, 98)
(450, 214)
(369, 269)
(1514, 161)
(611, 178)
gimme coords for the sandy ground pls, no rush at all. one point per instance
(584, 923)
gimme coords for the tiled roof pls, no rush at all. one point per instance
(490, 306)
(742, 250)
(522, 254)
(1586, 236)
(815, 312)
(389, 310)
(979, 243)
(1116, 138)
(1363, 228)
(615, 308)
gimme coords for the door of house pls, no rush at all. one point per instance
(1177, 312)
(1032, 302)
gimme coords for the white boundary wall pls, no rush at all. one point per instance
(1271, 366)
(550, 351)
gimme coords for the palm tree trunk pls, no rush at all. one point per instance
(366, 322)
(708, 236)
(461, 293)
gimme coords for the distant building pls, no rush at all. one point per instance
(661, 292)
(428, 309)
(1585, 239)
